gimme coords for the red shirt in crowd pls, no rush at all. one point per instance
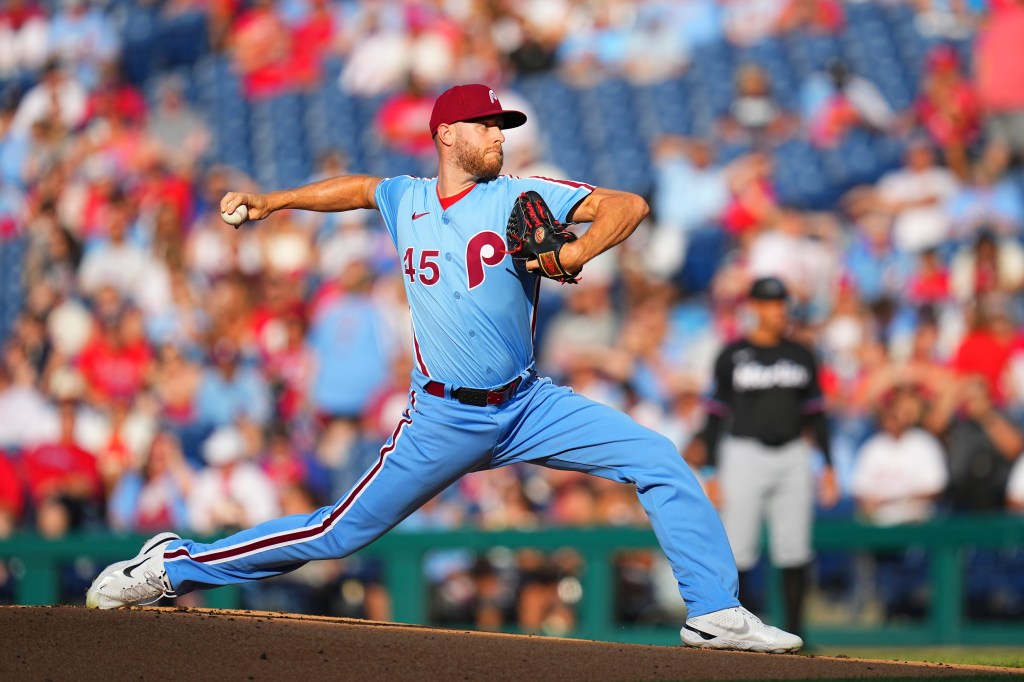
(16, 17)
(929, 287)
(400, 121)
(117, 100)
(747, 210)
(114, 371)
(310, 43)
(983, 353)
(950, 113)
(164, 187)
(263, 52)
(999, 67)
(57, 468)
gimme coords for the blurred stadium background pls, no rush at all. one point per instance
(162, 370)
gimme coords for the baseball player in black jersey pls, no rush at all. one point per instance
(767, 394)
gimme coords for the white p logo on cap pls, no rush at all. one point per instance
(494, 98)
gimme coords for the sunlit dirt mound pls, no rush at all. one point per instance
(70, 643)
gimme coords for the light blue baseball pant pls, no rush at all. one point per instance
(437, 441)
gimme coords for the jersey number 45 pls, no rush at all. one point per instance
(427, 264)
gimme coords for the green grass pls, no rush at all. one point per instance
(998, 656)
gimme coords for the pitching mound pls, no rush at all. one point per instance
(159, 643)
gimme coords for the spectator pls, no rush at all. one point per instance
(24, 413)
(987, 348)
(400, 120)
(232, 492)
(877, 268)
(261, 46)
(83, 38)
(180, 133)
(982, 441)
(116, 262)
(116, 362)
(24, 42)
(182, 322)
(754, 204)
(313, 41)
(947, 108)
(281, 461)
(1000, 75)
(989, 200)
(231, 390)
(654, 50)
(990, 265)
(63, 474)
(113, 98)
(930, 282)
(352, 350)
(532, 49)
(58, 99)
(792, 250)
(685, 414)
(56, 254)
(901, 470)
(838, 101)
(587, 324)
(755, 117)
(153, 495)
(691, 188)
(914, 196)
(691, 192)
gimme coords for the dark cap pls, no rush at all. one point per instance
(468, 102)
(768, 289)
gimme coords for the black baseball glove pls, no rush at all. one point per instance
(534, 234)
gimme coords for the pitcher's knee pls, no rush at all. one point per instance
(662, 455)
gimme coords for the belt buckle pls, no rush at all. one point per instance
(469, 396)
(500, 397)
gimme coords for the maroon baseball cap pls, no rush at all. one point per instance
(468, 102)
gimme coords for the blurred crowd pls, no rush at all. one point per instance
(162, 370)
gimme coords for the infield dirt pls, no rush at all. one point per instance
(73, 643)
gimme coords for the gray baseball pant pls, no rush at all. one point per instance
(759, 482)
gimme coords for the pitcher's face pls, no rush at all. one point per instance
(477, 148)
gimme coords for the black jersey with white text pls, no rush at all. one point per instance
(769, 391)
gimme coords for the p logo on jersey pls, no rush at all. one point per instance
(483, 249)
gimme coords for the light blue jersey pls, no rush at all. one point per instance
(473, 308)
(473, 312)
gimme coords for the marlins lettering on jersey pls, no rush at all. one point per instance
(751, 375)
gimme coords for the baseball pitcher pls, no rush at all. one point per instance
(474, 245)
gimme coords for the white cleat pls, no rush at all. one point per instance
(737, 629)
(135, 582)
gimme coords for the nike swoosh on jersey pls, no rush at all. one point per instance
(417, 216)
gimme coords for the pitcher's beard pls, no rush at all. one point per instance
(478, 163)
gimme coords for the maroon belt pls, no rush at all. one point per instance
(479, 397)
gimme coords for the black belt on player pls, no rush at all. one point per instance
(478, 397)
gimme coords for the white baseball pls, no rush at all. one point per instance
(487, 251)
(240, 215)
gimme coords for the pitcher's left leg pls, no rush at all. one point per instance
(552, 426)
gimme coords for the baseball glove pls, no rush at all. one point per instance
(534, 234)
